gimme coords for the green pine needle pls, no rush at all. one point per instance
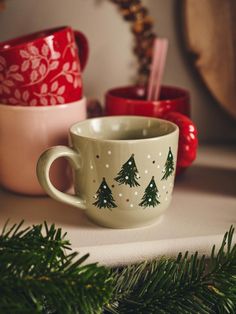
(188, 284)
(37, 275)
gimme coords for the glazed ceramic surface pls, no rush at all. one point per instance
(43, 68)
(124, 169)
(24, 134)
(173, 105)
(131, 100)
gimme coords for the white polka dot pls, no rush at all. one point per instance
(95, 196)
(131, 205)
(109, 152)
(148, 156)
(104, 201)
(135, 193)
(130, 163)
(126, 177)
(146, 171)
(164, 187)
(104, 187)
(149, 199)
(91, 167)
(120, 194)
(107, 166)
(144, 132)
(160, 154)
(158, 166)
(151, 185)
(158, 195)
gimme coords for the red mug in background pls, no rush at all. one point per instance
(43, 68)
(173, 105)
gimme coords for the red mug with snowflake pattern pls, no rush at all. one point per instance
(43, 68)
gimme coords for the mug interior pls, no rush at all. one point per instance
(139, 93)
(6, 45)
(123, 128)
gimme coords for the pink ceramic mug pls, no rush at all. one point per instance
(24, 134)
(43, 68)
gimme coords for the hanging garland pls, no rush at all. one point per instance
(38, 275)
(2, 5)
(134, 12)
(137, 14)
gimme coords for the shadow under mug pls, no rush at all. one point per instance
(43, 68)
(25, 132)
(173, 105)
(124, 169)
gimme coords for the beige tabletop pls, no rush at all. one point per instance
(203, 208)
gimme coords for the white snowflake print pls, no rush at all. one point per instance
(39, 62)
(71, 46)
(22, 98)
(9, 75)
(71, 72)
(51, 95)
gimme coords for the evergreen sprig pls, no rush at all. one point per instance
(38, 275)
(185, 285)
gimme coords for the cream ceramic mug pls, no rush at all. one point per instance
(124, 169)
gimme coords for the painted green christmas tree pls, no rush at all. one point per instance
(104, 196)
(150, 197)
(169, 165)
(128, 173)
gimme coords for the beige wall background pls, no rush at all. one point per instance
(111, 61)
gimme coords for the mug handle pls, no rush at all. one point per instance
(43, 168)
(188, 140)
(83, 47)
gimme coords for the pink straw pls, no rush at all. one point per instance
(157, 68)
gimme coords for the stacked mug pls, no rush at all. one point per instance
(41, 96)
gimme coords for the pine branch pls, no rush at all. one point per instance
(37, 276)
(184, 285)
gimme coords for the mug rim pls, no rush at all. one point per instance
(137, 102)
(47, 33)
(175, 129)
(17, 108)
